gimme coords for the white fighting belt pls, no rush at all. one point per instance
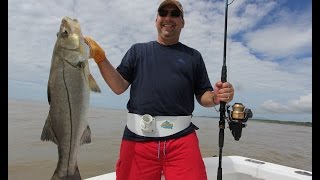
(157, 126)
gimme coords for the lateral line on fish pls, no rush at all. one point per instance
(80, 65)
(70, 110)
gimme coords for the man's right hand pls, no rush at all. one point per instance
(96, 52)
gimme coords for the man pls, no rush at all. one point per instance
(164, 75)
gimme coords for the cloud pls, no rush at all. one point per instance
(289, 35)
(301, 105)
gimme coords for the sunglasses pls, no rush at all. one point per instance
(173, 13)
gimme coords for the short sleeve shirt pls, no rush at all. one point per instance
(164, 78)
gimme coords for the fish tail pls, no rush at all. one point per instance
(74, 176)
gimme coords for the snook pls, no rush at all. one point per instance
(69, 88)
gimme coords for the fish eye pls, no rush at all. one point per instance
(65, 34)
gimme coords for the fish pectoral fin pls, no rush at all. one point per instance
(86, 136)
(93, 84)
(47, 132)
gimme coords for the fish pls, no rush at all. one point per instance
(69, 86)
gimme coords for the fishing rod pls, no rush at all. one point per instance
(239, 116)
(222, 108)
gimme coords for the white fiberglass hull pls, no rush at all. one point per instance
(241, 168)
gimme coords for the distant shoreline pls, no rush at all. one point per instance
(298, 123)
(308, 124)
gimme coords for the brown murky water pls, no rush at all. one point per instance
(31, 159)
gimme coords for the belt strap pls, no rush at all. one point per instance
(157, 126)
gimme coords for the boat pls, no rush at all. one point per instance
(241, 168)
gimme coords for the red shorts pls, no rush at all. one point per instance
(177, 159)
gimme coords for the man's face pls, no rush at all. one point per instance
(168, 25)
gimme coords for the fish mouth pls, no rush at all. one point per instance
(65, 29)
(68, 26)
(69, 34)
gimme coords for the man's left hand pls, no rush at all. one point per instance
(224, 91)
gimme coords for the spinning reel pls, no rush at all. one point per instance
(237, 119)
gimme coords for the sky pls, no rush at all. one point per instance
(268, 54)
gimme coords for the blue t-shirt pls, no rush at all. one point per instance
(164, 78)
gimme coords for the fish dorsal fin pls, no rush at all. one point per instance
(86, 136)
(93, 84)
(47, 132)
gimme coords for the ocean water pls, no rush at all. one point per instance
(32, 159)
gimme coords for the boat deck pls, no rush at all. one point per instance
(241, 168)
